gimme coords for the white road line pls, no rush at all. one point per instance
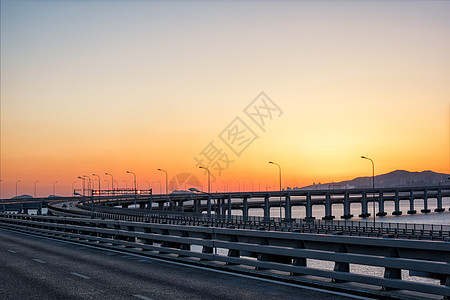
(12, 251)
(143, 260)
(202, 268)
(142, 297)
(80, 275)
(39, 261)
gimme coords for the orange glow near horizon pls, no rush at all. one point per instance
(89, 88)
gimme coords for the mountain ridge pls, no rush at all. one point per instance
(397, 178)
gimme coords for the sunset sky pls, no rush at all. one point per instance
(109, 86)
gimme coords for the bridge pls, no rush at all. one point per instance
(284, 256)
(222, 204)
(375, 260)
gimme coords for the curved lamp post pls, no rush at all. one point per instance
(135, 184)
(167, 186)
(279, 173)
(17, 183)
(54, 182)
(373, 186)
(35, 183)
(112, 181)
(209, 178)
(84, 179)
(98, 185)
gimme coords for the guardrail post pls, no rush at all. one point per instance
(411, 210)
(341, 266)
(391, 273)
(397, 211)
(263, 256)
(208, 206)
(233, 252)
(299, 261)
(207, 249)
(425, 202)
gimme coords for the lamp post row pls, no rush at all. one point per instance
(209, 183)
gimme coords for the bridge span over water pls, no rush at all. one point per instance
(425, 199)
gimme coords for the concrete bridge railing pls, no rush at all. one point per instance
(267, 252)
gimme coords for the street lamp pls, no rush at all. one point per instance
(167, 186)
(98, 184)
(112, 181)
(35, 183)
(107, 183)
(373, 186)
(209, 178)
(73, 188)
(135, 188)
(54, 182)
(17, 183)
(84, 179)
(279, 173)
(90, 184)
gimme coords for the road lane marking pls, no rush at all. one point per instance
(80, 275)
(142, 297)
(12, 251)
(39, 261)
(143, 260)
(317, 289)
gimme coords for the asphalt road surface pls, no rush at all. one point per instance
(39, 268)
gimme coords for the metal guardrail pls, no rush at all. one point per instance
(360, 228)
(267, 251)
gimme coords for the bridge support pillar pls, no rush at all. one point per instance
(161, 205)
(364, 209)
(381, 212)
(150, 204)
(288, 209)
(439, 201)
(217, 206)
(397, 211)
(229, 207)
(425, 202)
(39, 211)
(196, 206)
(266, 207)
(245, 209)
(141, 205)
(347, 214)
(328, 208)
(411, 210)
(309, 208)
(208, 206)
(124, 205)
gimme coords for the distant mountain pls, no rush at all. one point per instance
(398, 178)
